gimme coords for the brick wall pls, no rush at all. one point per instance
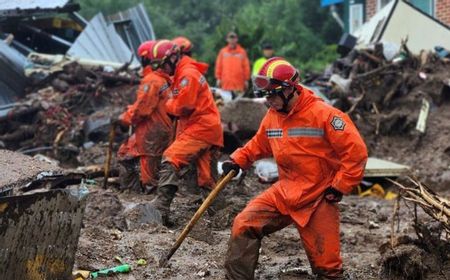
(443, 11)
(371, 8)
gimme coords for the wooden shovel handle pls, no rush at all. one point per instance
(112, 134)
(220, 185)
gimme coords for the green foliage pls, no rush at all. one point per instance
(299, 30)
(321, 59)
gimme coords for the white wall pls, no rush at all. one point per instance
(422, 32)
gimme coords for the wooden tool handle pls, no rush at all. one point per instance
(220, 185)
(112, 134)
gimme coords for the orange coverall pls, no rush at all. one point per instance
(153, 127)
(315, 146)
(199, 126)
(232, 68)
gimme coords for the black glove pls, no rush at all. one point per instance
(332, 195)
(229, 165)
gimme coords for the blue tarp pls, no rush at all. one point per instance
(325, 3)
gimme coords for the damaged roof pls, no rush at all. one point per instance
(9, 8)
(134, 26)
(100, 41)
(12, 78)
(401, 20)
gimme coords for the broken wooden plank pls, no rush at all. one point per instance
(423, 116)
(376, 167)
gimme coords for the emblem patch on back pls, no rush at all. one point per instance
(146, 88)
(338, 123)
(184, 82)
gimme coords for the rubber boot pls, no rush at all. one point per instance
(167, 187)
(242, 257)
(162, 201)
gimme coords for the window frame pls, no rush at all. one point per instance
(379, 5)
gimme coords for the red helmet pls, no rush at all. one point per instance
(275, 73)
(145, 48)
(183, 43)
(163, 49)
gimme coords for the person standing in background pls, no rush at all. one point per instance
(232, 67)
(268, 52)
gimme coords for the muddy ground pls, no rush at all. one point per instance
(115, 225)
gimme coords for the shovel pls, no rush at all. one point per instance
(208, 201)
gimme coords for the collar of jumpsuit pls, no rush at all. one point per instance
(303, 100)
(185, 61)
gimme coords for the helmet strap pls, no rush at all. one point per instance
(286, 100)
(145, 62)
(172, 65)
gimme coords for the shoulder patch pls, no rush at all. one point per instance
(184, 82)
(146, 88)
(338, 123)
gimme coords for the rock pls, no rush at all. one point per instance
(142, 214)
(244, 115)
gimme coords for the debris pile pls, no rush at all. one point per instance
(397, 104)
(68, 111)
(424, 257)
(434, 205)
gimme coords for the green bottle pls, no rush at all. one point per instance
(124, 268)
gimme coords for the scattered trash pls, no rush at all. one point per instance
(423, 116)
(141, 262)
(117, 235)
(373, 225)
(124, 268)
(118, 259)
(266, 170)
(422, 75)
(80, 274)
(203, 273)
(376, 190)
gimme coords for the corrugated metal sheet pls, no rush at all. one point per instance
(31, 4)
(134, 26)
(12, 78)
(100, 41)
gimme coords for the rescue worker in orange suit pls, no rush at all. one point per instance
(184, 44)
(232, 66)
(199, 129)
(320, 156)
(153, 127)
